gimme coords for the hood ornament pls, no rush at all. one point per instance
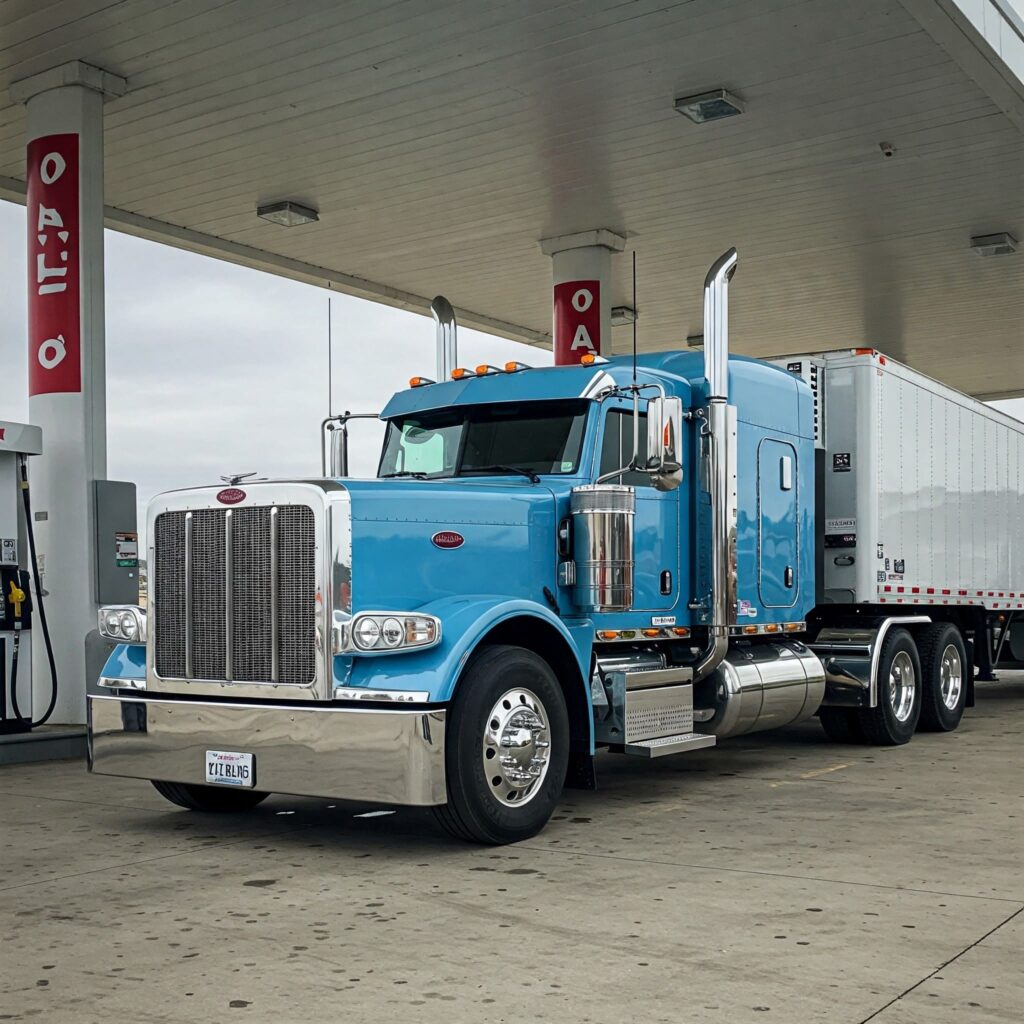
(236, 478)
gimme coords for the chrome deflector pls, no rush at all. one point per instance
(394, 756)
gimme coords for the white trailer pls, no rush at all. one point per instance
(920, 531)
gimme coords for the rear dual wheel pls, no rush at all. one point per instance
(944, 669)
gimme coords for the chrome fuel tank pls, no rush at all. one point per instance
(759, 685)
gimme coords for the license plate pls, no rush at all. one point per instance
(230, 768)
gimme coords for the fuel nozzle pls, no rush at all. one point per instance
(16, 597)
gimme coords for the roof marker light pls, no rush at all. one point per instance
(418, 382)
(514, 367)
(484, 369)
(460, 371)
(589, 359)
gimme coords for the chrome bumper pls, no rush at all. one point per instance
(394, 757)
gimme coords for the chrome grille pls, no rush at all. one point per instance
(234, 594)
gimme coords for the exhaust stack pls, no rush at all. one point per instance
(720, 431)
(447, 342)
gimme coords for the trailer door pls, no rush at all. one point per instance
(778, 563)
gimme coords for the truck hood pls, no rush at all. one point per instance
(406, 550)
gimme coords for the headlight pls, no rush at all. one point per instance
(391, 631)
(129, 626)
(366, 633)
(125, 623)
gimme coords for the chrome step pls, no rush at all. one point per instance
(665, 745)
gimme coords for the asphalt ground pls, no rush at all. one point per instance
(778, 877)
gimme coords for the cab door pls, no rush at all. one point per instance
(656, 523)
(778, 538)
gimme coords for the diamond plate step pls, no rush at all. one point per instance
(665, 745)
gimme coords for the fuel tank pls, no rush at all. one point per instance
(760, 685)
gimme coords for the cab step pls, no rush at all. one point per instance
(665, 745)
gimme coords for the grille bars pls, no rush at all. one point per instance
(275, 669)
(229, 596)
(188, 595)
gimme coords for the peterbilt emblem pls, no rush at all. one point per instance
(448, 539)
(231, 496)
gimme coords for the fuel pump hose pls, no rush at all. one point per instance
(26, 500)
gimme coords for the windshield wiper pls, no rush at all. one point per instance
(528, 473)
(405, 473)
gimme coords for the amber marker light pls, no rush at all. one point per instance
(773, 627)
(589, 359)
(652, 632)
(485, 368)
(607, 634)
(749, 630)
(680, 631)
(418, 382)
(459, 372)
(513, 366)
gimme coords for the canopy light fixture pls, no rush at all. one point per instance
(1002, 244)
(622, 315)
(709, 106)
(695, 341)
(288, 214)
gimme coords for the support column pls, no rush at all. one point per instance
(67, 377)
(581, 298)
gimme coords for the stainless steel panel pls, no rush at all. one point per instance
(602, 519)
(663, 711)
(394, 756)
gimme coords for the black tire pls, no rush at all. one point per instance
(933, 643)
(474, 811)
(881, 725)
(841, 725)
(215, 799)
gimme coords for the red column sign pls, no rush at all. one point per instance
(54, 332)
(577, 320)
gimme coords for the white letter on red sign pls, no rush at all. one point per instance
(54, 316)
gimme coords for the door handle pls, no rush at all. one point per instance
(789, 576)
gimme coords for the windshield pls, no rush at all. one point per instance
(513, 437)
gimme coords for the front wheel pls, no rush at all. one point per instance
(893, 720)
(506, 748)
(216, 799)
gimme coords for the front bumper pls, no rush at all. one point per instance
(389, 756)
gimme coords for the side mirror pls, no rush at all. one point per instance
(664, 442)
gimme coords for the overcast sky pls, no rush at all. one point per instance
(213, 368)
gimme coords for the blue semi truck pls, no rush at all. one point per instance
(617, 555)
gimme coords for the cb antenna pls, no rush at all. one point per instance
(634, 318)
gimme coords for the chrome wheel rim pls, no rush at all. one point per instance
(951, 677)
(902, 685)
(516, 747)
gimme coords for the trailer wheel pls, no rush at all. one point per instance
(841, 725)
(944, 680)
(894, 719)
(506, 748)
(209, 798)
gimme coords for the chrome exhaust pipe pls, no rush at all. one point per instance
(447, 342)
(722, 463)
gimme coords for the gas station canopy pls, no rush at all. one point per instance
(440, 141)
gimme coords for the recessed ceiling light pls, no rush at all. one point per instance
(1001, 244)
(288, 214)
(709, 106)
(622, 315)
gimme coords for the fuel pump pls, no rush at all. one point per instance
(18, 566)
